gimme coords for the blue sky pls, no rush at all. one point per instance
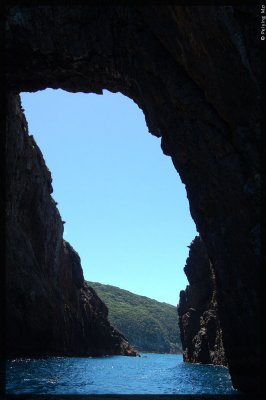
(126, 210)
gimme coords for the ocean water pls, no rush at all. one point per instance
(148, 374)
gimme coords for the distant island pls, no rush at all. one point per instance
(148, 325)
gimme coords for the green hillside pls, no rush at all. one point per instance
(147, 324)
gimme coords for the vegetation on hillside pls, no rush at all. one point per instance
(147, 324)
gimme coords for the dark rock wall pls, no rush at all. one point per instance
(50, 308)
(195, 72)
(200, 329)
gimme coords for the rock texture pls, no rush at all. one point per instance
(50, 308)
(200, 329)
(195, 72)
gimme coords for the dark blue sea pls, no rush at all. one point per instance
(148, 374)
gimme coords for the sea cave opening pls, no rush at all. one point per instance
(195, 73)
(123, 204)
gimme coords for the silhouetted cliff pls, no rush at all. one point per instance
(50, 308)
(200, 330)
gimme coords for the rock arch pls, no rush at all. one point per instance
(194, 71)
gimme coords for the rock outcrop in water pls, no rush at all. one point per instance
(195, 72)
(50, 308)
(200, 330)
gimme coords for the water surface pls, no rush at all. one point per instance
(148, 374)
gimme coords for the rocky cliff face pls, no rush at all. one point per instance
(195, 72)
(200, 329)
(50, 308)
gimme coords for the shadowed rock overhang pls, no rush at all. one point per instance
(195, 73)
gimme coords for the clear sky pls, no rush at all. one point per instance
(126, 210)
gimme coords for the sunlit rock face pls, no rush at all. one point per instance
(195, 72)
(201, 334)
